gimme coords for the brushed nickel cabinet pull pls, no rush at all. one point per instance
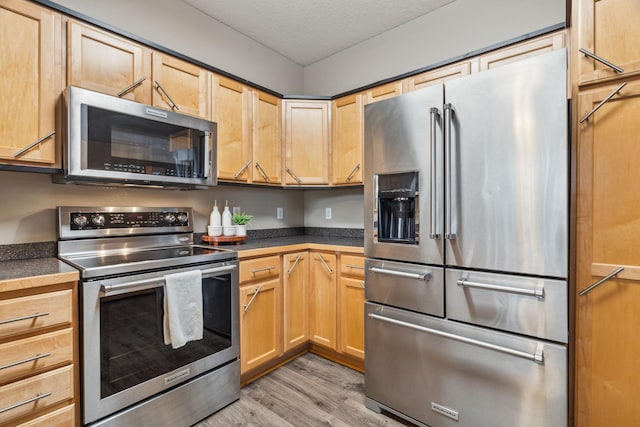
(601, 281)
(359, 267)
(25, 402)
(242, 169)
(604, 101)
(172, 104)
(601, 60)
(129, 88)
(262, 172)
(294, 264)
(352, 173)
(27, 360)
(259, 270)
(293, 175)
(23, 150)
(324, 263)
(27, 317)
(255, 294)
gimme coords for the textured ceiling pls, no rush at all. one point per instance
(307, 31)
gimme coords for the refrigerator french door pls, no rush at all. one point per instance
(466, 235)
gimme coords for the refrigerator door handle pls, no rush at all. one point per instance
(433, 227)
(449, 232)
(537, 357)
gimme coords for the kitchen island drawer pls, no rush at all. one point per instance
(36, 393)
(34, 312)
(35, 354)
(259, 268)
(524, 305)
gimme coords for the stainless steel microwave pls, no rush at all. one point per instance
(114, 141)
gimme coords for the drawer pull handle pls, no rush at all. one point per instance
(295, 262)
(27, 360)
(538, 292)
(604, 101)
(537, 357)
(25, 402)
(359, 267)
(325, 265)
(407, 274)
(260, 270)
(601, 60)
(601, 281)
(30, 316)
(255, 294)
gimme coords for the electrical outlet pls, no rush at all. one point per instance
(279, 213)
(236, 210)
(327, 213)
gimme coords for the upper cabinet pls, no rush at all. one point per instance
(384, 91)
(266, 138)
(31, 83)
(607, 34)
(180, 86)
(347, 122)
(306, 140)
(520, 51)
(100, 61)
(439, 75)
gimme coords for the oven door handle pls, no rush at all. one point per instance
(156, 282)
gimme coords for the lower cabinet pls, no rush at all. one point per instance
(295, 280)
(260, 312)
(322, 299)
(351, 306)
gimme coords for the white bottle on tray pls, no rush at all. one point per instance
(215, 219)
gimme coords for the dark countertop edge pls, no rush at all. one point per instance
(35, 267)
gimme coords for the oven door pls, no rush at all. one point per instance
(125, 359)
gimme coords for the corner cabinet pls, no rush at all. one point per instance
(347, 142)
(31, 70)
(307, 142)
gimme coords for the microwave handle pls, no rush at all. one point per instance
(208, 147)
(156, 282)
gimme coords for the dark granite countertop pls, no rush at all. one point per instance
(36, 267)
(295, 240)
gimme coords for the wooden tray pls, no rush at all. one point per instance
(216, 240)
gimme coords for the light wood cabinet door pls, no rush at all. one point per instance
(439, 75)
(307, 139)
(608, 237)
(347, 142)
(520, 51)
(180, 86)
(384, 91)
(266, 141)
(351, 316)
(610, 30)
(103, 62)
(232, 112)
(322, 299)
(30, 83)
(260, 323)
(295, 280)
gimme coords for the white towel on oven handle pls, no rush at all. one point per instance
(183, 319)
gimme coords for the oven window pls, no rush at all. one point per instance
(131, 335)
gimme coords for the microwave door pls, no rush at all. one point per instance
(403, 166)
(508, 168)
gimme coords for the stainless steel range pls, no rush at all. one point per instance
(129, 375)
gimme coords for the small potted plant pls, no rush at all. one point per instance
(241, 219)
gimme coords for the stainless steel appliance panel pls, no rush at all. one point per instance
(446, 374)
(411, 286)
(524, 305)
(508, 168)
(403, 134)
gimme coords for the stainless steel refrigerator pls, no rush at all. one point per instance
(466, 238)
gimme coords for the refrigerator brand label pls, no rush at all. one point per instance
(177, 376)
(447, 412)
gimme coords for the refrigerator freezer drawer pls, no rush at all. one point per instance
(525, 305)
(446, 374)
(410, 286)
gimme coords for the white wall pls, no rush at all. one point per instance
(28, 204)
(450, 31)
(186, 30)
(347, 208)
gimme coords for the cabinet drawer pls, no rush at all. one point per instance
(63, 417)
(33, 312)
(259, 268)
(36, 393)
(34, 354)
(351, 265)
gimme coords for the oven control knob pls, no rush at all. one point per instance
(97, 220)
(182, 218)
(170, 218)
(80, 220)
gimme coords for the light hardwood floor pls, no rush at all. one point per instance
(308, 391)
